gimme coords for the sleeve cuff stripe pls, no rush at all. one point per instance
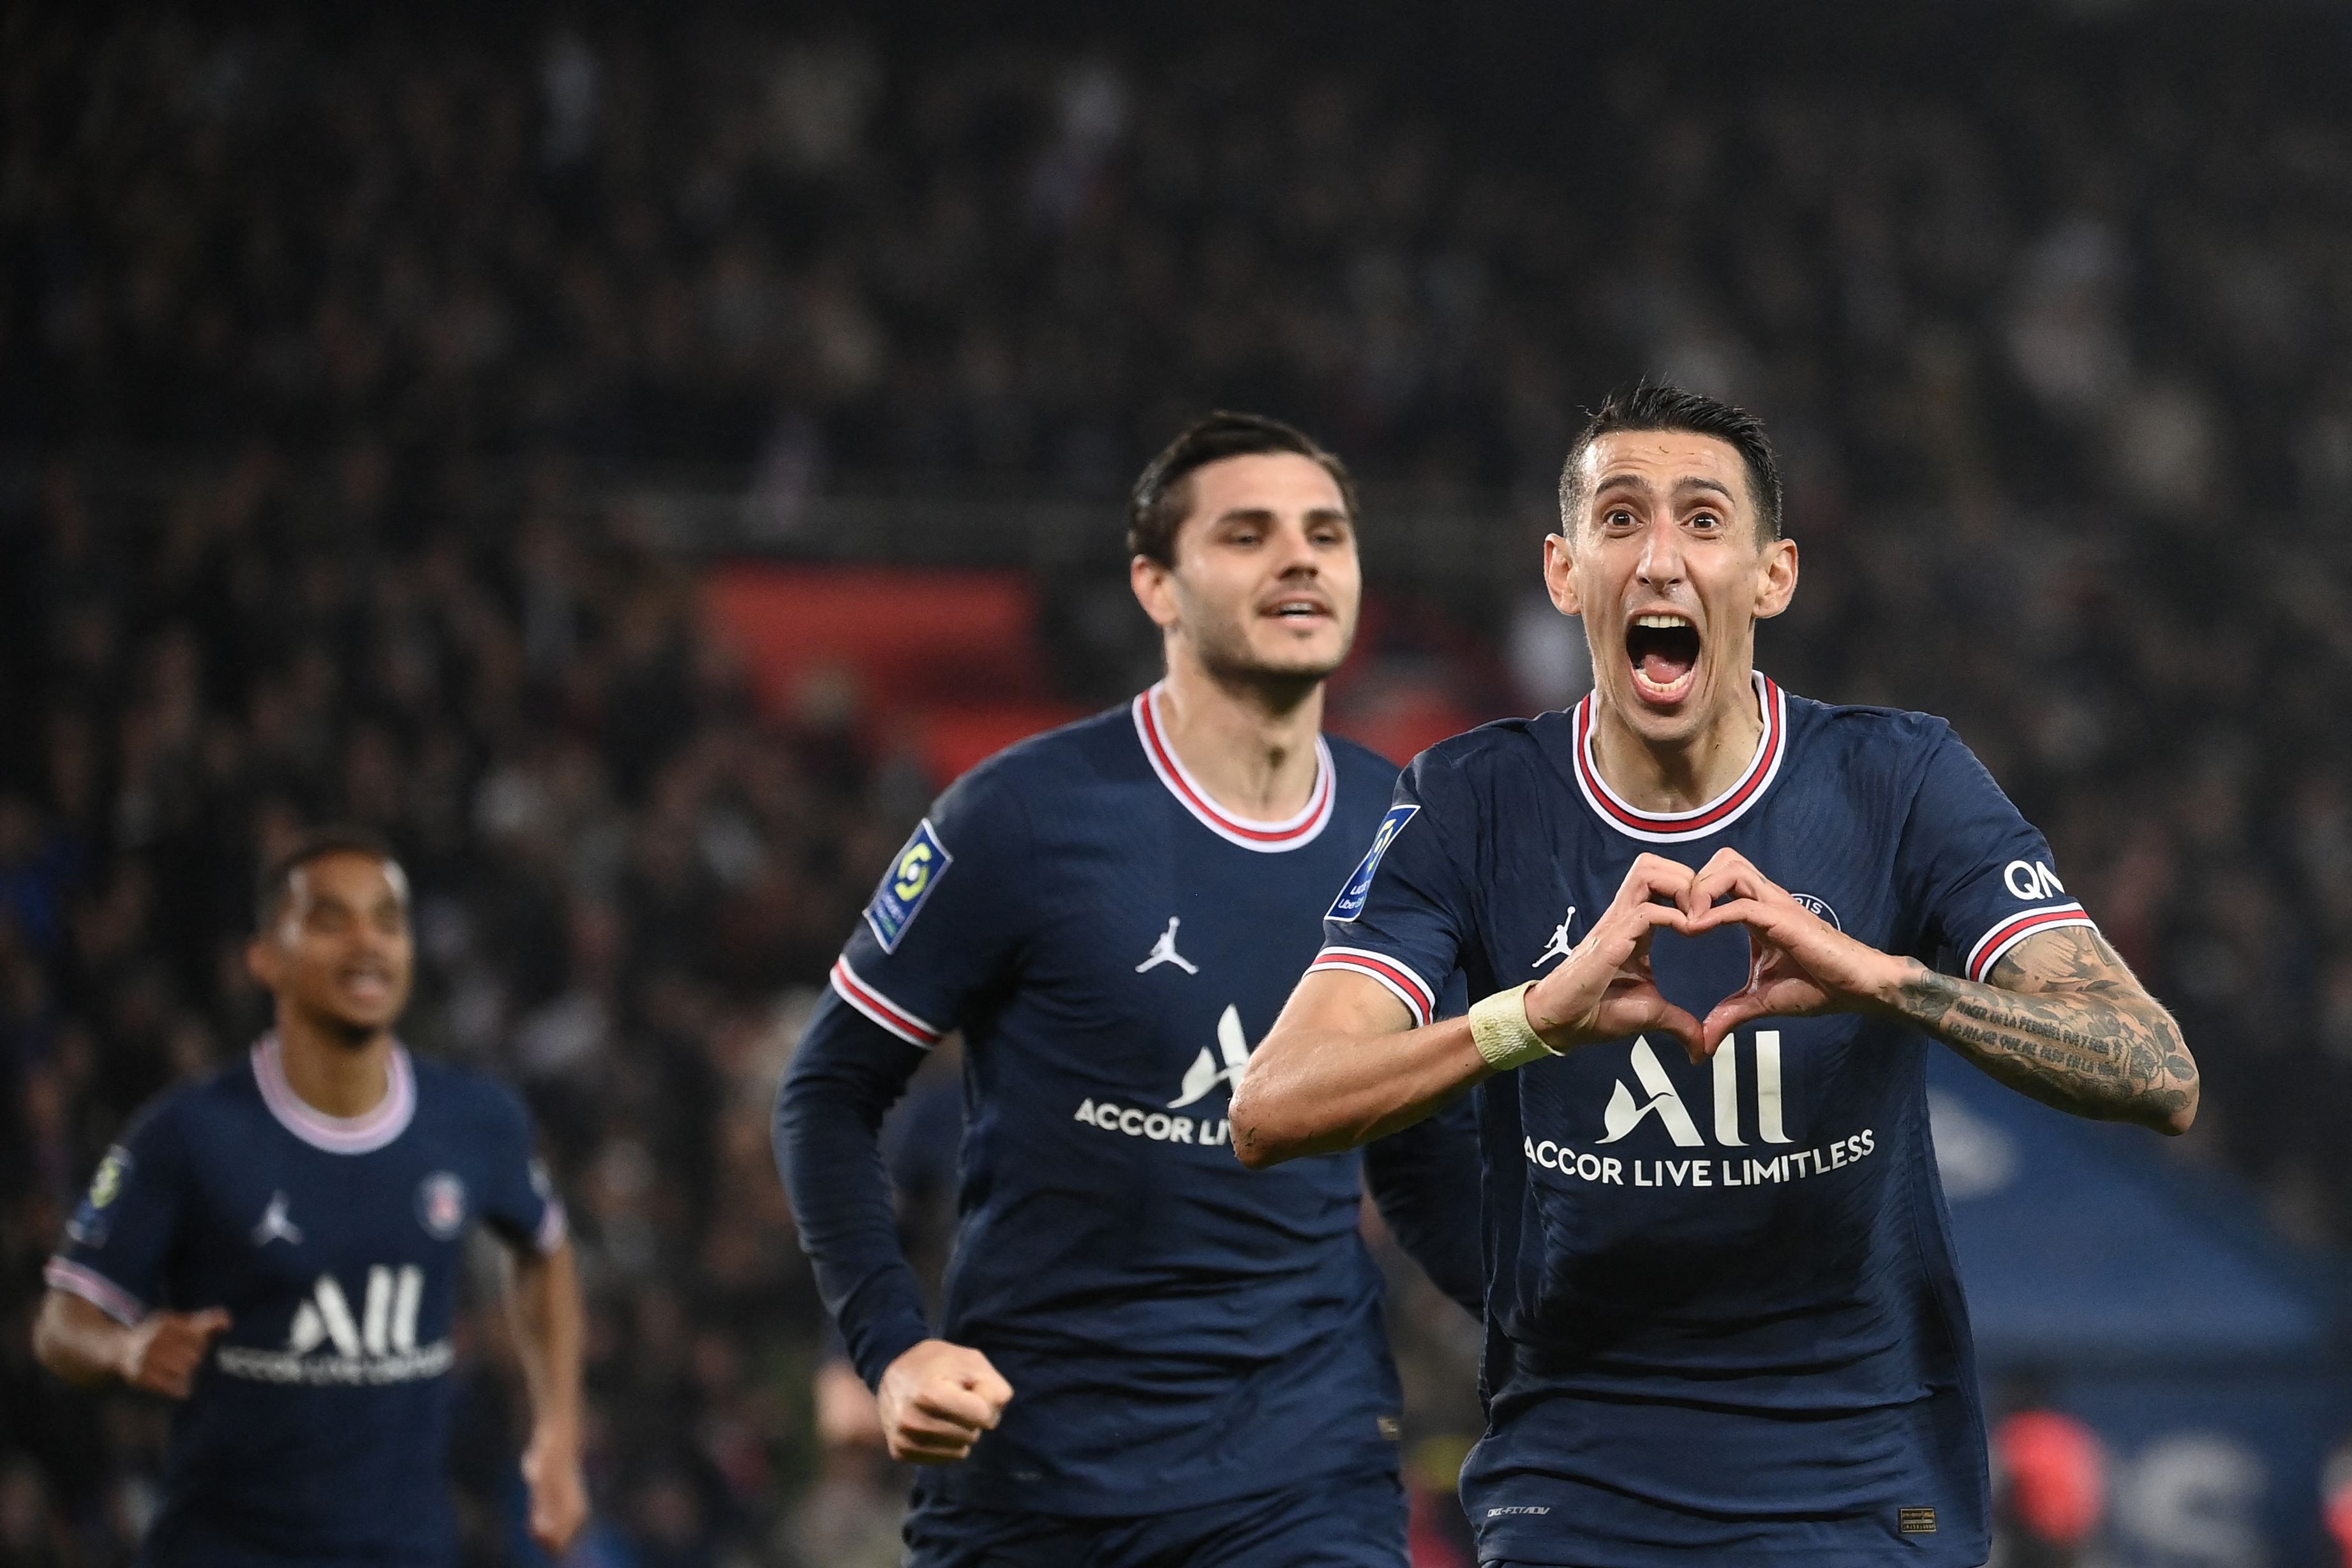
(1998, 941)
(880, 1008)
(1408, 987)
(95, 1288)
(554, 1226)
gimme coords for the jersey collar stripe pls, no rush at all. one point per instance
(1998, 941)
(336, 1135)
(881, 1008)
(74, 1280)
(1411, 990)
(1267, 837)
(1721, 811)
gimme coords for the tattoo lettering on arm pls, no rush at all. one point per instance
(2063, 1019)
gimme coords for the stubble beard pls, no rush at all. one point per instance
(1222, 643)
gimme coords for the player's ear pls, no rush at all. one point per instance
(1776, 578)
(261, 962)
(1153, 590)
(1559, 573)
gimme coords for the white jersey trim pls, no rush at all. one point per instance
(1675, 826)
(80, 1280)
(1266, 838)
(852, 988)
(336, 1135)
(1419, 997)
(1995, 943)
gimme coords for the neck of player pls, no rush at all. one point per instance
(332, 1072)
(1681, 774)
(1249, 742)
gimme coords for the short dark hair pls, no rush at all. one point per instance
(1161, 500)
(1654, 406)
(275, 882)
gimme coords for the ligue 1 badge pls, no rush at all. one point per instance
(441, 1205)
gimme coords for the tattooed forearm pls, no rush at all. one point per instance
(2064, 1021)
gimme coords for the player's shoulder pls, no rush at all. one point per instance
(205, 1108)
(475, 1104)
(1849, 734)
(1066, 758)
(1502, 745)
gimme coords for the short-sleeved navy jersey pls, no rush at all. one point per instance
(317, 1430)
(1724, 1323)
(1177, 1329)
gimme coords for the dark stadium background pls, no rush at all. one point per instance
(632, 457)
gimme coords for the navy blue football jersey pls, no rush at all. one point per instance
(1724, 1322)
(1177, 1330)
(317, 1430)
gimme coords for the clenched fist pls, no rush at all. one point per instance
(937, 1399)
(161, 1354)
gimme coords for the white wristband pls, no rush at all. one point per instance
(1499, 1027)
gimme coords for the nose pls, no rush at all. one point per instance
(1296, 555)
(1660, 565)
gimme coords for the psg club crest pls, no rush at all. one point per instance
(1821, 909)
(441, 1205)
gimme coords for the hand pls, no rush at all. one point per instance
(1798, 964)
(559, 1493)
(1603, 988)
(161, 1354)
(937, 1399)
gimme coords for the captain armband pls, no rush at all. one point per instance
(1498, 1026)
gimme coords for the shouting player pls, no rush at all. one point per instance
(1724, 1323)
(1149, 1354)
(279, 1248)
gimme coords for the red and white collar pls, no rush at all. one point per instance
(1724, 810)
(1267, 837)
(336, 1135)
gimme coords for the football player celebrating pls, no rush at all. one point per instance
(279, 1246)
(1149, 1355)
(1724, 1323)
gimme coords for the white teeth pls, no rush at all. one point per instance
(1663, 623)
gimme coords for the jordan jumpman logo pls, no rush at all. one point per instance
(1164, 951)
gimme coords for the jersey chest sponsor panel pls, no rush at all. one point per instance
(1743, 1262)
(319, 1425)
(1113, 947)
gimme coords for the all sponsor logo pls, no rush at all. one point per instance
(328, 1344)
(1657, 1097)
(906, 886)
(1222, 1066)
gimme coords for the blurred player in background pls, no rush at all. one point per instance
(1724, 1321)
(279, 1246)
(1149, 1354)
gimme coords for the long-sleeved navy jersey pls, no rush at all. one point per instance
(1723, 1320)
(318, 1427)
(1177, 1329)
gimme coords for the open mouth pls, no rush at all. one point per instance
(1664, 649)
(1300, 610)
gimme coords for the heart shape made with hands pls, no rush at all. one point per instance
(1798, 964)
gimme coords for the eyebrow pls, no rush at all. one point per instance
(1636, 482)
(1269, 514)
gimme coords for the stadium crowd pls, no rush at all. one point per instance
(326, 349)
